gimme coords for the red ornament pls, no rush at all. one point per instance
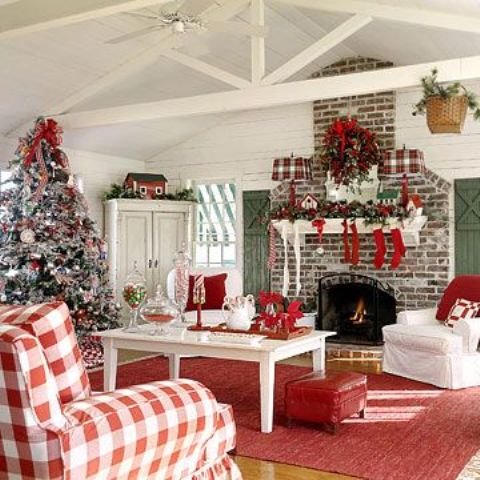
(36, 265)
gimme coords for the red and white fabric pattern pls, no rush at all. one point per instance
(462, 309)
(52, 325)
(291, 168)
(403, 161)
(170, 430)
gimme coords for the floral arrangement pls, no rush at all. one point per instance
(432, 88)
(119, 191)
(373, 213)
(350, 151)
(275, 316)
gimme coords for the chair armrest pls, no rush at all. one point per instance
(426, 316)
(469, 330)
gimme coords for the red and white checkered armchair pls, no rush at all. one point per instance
(53, 427)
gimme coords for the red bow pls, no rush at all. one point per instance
(265, 298)
(319, 223)
(47, 130)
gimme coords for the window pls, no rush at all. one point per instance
(159, 190)
(143, 190)
(4, 176)
(215, 244)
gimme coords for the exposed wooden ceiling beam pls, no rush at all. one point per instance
(276, 95)
(257, 18)
(206, 69)
(414, 16)
(326, 43)
(27, 16)
(166, 40)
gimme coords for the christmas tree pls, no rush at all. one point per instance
(50, 248)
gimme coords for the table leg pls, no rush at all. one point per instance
(174, 366)
(319, 357)
(110, 355)
(267, 387)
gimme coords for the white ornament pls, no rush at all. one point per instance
(27, 236)
(320, 251)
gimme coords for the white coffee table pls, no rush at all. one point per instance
(267, 353)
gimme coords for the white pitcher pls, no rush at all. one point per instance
(238, 312)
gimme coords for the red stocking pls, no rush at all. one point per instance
(355, 244)
(346, 247)
(398, 246)
(379, 238)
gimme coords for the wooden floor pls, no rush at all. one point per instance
(253, 469)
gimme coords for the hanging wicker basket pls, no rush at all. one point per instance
(446, 115)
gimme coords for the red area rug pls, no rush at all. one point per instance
(411, 430)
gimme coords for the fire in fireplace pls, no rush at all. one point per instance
(356, 307)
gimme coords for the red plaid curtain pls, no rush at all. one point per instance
(292, 169)
(404, 161)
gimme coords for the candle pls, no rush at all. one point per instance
(199, 289)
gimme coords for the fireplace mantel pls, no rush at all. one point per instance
(410, 228)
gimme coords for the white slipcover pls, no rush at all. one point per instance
(423, 349)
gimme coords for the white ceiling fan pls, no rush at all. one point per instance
(179, 22)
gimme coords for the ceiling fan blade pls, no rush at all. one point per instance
(132, 35)
(150, 16)
(238, 28)
(172, 7)
(195, 7)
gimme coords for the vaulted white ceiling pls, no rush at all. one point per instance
(40, 69)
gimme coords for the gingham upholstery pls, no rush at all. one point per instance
(403, 161)
(462, 309)
(292, 169)
(168, 430)
(52, 325)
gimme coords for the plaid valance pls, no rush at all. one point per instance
(291, 168)
(403, 161)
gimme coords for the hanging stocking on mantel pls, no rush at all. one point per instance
(298, 257)
(399, 249)
(272, 250)
(355, 257)
(286, 273)
(381, 249)
(346, 246)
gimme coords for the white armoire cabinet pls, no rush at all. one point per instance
(148, 232)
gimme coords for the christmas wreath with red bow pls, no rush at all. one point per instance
(350, 151)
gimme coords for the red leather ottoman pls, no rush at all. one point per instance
(326, 397)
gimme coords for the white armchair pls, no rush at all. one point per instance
(419, 346)
(233, 288)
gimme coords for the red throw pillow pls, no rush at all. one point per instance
(463, 286)
(462, 309)
(214, 292)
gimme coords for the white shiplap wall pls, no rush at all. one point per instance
(241, 146)
(97, 171)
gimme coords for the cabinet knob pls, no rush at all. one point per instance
(156, 263)
(150, 263)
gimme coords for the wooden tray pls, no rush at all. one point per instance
(254, 330)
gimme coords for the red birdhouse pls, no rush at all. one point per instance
(149, 185)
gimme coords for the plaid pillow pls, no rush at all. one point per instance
(462, 309)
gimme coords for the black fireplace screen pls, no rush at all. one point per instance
(356, 307)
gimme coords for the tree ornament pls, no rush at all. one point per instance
(27, 236)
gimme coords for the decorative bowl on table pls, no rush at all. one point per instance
(159, 311)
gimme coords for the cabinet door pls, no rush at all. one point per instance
(169, 231)
(135, 245)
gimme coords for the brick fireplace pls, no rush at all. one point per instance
(424, 271)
